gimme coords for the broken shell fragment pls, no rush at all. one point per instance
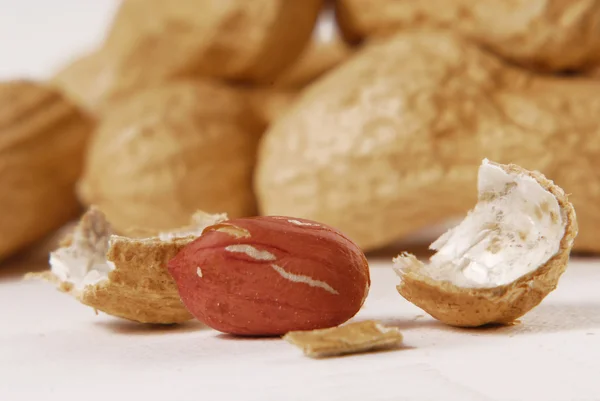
(503, 259)
(121, 276)
(350, 338)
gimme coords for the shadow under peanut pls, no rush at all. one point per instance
(368, 352)
(127, 327)
(551, 318)
(34, 258)
(235, 337)
(420, 250)
(18, 266)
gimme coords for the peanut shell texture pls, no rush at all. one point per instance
(394, 135)
(122, 276)
(85, 80)
(153, 41)
(170, 150)
(42, 140)
(555, 35)
(503, 259)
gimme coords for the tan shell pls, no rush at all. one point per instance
(347, 339)
(544, 34)
(140, 287)
(42, 139)
(471, 307)
(151, 41)
(85, 80)
(394, 137)
(164, 153)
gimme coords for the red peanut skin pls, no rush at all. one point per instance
(238, 294)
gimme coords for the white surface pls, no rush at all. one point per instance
(53, 348)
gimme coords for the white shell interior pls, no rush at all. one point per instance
(516, 227)
(84, 261)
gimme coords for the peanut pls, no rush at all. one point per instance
(170, 150)
(548, 35)
(389, 142)
(271, 275)
(85, 80)
(42, 140)
(152, 41)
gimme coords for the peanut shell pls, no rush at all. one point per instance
(350, 338)
(550, 35)
(151, 41)
(42, 140)
(85, 80)
(170, 150)
(471, 307)
(394, 135)
(138, 286)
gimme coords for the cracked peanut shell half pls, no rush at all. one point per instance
(502, 259)
(121, 276)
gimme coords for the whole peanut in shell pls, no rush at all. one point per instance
(151, 41)
(85, 80)
(549, 35)
(42, 142)
(389, 142)
(164, 153)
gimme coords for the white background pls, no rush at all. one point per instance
(38, 36)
